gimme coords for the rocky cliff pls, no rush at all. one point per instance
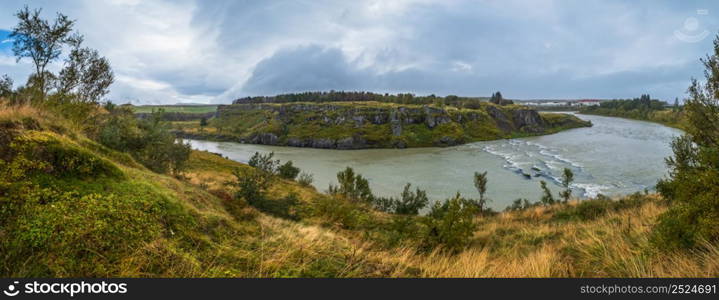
(376, 125)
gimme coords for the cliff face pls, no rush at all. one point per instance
(356, 126)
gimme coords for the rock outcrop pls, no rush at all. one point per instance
(358, 126)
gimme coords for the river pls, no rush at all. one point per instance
(616, 156)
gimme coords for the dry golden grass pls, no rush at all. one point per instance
(613, 246)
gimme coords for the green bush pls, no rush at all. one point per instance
(410, 203)
(149, 140)
(352, 186)
(264, 162)
(305, 179)
(600, 206)
(337, 211)
(288, 171)
(450, 224)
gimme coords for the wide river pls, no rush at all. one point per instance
(615, 156)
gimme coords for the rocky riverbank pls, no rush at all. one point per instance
(375, 125)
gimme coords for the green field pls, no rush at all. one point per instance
(192, 109)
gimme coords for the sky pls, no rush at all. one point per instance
(186, 51)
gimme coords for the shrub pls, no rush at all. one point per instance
(410, 202)
(251, 187)
(285, 207)
(305, 179)
(352, 186)
(339, 212)
(450, 224)
(519, 204)
(288, 171)
(264, 162)
(148, 140)
(601, 205)
(547, 198)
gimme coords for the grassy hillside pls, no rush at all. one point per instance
(70, 207)
(354, 125)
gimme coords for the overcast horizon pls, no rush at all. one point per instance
(166, 52)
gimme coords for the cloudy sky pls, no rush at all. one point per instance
(216, 51)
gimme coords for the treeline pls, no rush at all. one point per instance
(643, 103)
(642, 108)
(344, 96)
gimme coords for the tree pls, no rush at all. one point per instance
(352, 186)
(496, 98)
(37, 39)
(547, 198)
(203, 123)
(567, 179)
(6, 85)
(480, 183)
(179, 155)
(86, 75)
(676, 104)
(692, 188)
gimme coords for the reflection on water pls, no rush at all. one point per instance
(615, 156)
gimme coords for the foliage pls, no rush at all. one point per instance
(86, 75)
(37, 39)
(450, 224)
(499, 100)
(567, 178)
(252, 189)
(693, 184)
(519, 204)
(264, 162)
(288, 171)
(547, 198)
(6, 86)
(480, 183)
(305, 179)
(410, 203)
(352, 186)
(148, 140)
(594, 208)
(337, 211)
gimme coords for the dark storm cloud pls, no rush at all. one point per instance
(215, 51)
